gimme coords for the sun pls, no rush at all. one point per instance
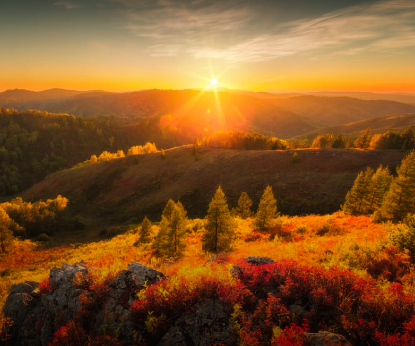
(213, 82)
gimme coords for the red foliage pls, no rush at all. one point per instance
(45, 287)
(292, 336)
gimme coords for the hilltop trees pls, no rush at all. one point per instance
(267, 209)
(220, 227)
(381, 181)
(400, 200)
(243, 209)
(170, 239)
(6, 235)
(145, 231)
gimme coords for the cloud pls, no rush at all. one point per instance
(232, 31)
(385, 25)
(67, 4)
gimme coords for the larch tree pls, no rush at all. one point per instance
(220, 226)
(243, 209)
(356, 198)
(6, 235)
(267, 209)
(170, 239)
(144, 234)
(381, 181)
(400, 200)
(363, 140)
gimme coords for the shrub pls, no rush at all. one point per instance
(43, 237)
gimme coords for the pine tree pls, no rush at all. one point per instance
(170, 239)
(381, 181)
(363, 140)
(244, 204)
(267, 209)
(400, 200)
(339, 142)
(162, 154)
(220, 226)
(295, 158)
(356, 202)
(145, 231)
(6, 235)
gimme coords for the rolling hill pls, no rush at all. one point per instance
(120, 189)
(376, 125)
(198, 113)
(342, 110)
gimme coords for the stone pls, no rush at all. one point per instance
(236, 271)
(66, 273)
(325, 339)
(208, 324)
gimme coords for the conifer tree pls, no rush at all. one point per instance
(339, 142)
(267, 209)
(145, 231)
(170, 239)
(162, 154)
(220, 226)
(381, 181)
(363, 140)
(400, 200)
(244, 204)
(6, 235)
(356, 202)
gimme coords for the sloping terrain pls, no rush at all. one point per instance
(342, 110)
(376, 125)
(120, 189)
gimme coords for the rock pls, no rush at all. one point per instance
(258, 260)
(325, 339)
(66, 273)
(208, 324)
(254, 260)
(142, 274)
(26, 287)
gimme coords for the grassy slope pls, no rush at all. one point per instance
(118, 190)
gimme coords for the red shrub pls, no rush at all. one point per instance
(45, 287)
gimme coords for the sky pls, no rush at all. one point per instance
(262, 45)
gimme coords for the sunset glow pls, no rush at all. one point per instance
(264, 46)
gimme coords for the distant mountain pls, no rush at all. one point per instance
(376, 125)
(342, 110)
(199, 112)
(398, 97)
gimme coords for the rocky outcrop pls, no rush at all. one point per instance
(37, 317)
(325, 339)
(208, 324)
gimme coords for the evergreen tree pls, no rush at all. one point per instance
(339, 142)
(244, 204)
(363, 140)
(295, 158)
(400, 200)
(6, 235)
(145, 231)
(162, 154)
(220, 226)
(170, 239)
(381, 181)
(267, 209)
(356, 198)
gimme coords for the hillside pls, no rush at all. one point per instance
(121, 189)
(342, 110)
(197, 112)
(376, 125)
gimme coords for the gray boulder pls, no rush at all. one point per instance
(325, 339)
(208, 324)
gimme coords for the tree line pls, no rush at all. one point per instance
(28, 220)
(220, 227)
